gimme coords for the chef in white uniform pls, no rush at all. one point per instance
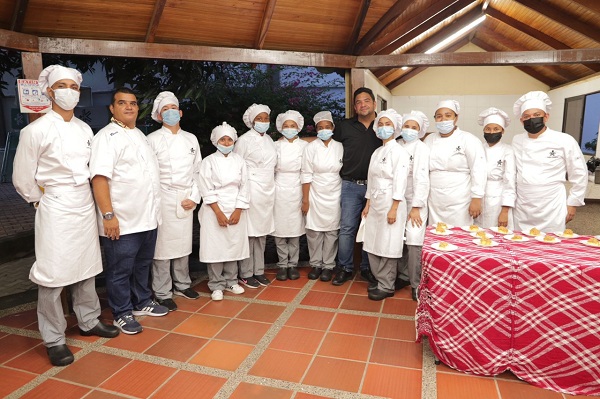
(385, 210)
(414, 127)
(321, 194)
(289, 221)
(178, 154)
(544, 157)
(258, 150)
(456, 169)
(51, 172)
(499, 198)
(223, 183)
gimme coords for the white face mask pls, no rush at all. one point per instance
(445, 127)
(409, 134)
(67, 99)
(261, 127)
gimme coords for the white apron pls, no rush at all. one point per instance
(287, 212)
(261, 182)
(491, 205)
(174, 238)
(324, 210)
(450, 198)
(541, 206)
(419, 152)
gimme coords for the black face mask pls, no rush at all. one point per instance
(492, 138)
(534, 125)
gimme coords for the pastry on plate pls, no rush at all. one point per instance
(486, 242)
(593, 241)
(502, 230)
(517, 237)
(568, 233)
(481, 234)
(534, 232)
(473, 227)
(440, 229)
(548, 238)
(443, 245)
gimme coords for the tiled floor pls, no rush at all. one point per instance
(297, 339)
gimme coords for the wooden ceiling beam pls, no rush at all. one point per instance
(159, 7)
(265, 23)
(18, 16)
(358, 24)
(592, 5)
(388, 17)
(18, 41)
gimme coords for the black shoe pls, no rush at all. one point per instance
(326, 275)
(101, 330)
(314, 273)
(60, 355)
(187, 293)
(262, 280)
(372, 287)
(368, 276)
(167, 303)
(281, 274)
(414, 294)
(341, 277)
(400, 283)
(293, 273)
(378, 295)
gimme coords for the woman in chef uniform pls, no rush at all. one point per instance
(456, 170)
(499, 198)
(385, 211)
(289, 222)
(321, 194)
(223, 183)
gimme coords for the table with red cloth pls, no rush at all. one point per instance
(529, 307)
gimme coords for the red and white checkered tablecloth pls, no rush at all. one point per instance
(530, 307)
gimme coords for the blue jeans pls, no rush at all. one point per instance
(128, 263)
(353, 202)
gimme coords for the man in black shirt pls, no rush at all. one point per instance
(359, 140)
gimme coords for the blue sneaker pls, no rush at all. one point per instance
(128, 324)
(151, 309)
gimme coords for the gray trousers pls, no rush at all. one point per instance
(255, 263)
(162, 282)
(322, 248)
(384, 270)
(222, 275)
(51, 319)
(409, 267)
(288, 251)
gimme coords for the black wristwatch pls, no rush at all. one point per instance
(108, 216)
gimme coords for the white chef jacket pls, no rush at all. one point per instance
(417, 188)
(386, 182)
(260, 156)
(125, 157)
(54, 154)
(289, 221)
(542, 166)
(321, 167)
(178, 158)
(224, 180)
(456, 174)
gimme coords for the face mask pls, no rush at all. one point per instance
(492, 138)
(325, 134)
(171, 117)
(67, 99)
(534, 125)
(410, 135)
(261, 127)
(225, 149)
(289, 133)
(385, 132)
(445, 127)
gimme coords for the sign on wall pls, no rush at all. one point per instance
(31, 98)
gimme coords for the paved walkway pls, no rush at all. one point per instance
(16, 216)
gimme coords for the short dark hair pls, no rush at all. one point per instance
(363, 90)
(125, 90)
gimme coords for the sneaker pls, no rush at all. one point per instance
(128, 324)
(217, 295)
(249, 282)
(167, 303)
(235, 289)
(187, 293)
(151, 309)
(262, 280)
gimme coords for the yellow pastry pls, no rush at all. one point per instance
(440, 229)
(549, 239)
(534, 232)
(481, 234)
(502, 230)
(593, 241)
(473, 227)
(486, 242)
(517, 237)
(443, 244)
(568, 233)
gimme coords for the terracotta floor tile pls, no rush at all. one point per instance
(35, 360)
(278, 294)
(19, 320)
(186, 384)
(138, 342)
(397, 353)
(404, 293)
(168, 322)
(323, 299)
(358, 288)
(294, 339)
(12, 380)
(345, 375)
(442, 368)
(92, 369)
(392, 382)
(3, 334)
(177, 347)
(299, 283)
(518, 390)
(248, 292)
(361, 303)
(354, 324)
(260, 312)
(148, 377)
(222, 355)
(189, 305)
(202, 325)
(14, 345)
(396, 329)
(281, 365)
(312, 319)
(246, 332)
(202, 286)
(73, 332)
(328, 287)
(301, 395)
(253, 391)
(453, 386)
(56, 389)
(95, 394)
(404, 307)
(345, 346)
(225, 308)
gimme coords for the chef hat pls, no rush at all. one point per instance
(289, 115)
(420, 118)
(392, 115)
(452, 104)
(493, 115)
(223, 130)
(54, 73)
(164, 98)
(323, 116)
(252, 112)
(533, 99)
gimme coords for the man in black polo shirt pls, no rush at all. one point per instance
(359, 140)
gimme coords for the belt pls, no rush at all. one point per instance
(359, 182)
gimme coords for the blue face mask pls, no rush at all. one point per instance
(225, 149)
(409, 135)
(289, 133)
(261, 127)
(385, 132)
(325, 134)
(171, 117)
(445, 127)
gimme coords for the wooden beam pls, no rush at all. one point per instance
(159, 7)
(394, 12)
(358, 24)
(592, 5)
(18, 41)
(264, 25)
(18, 16)
(32, 66)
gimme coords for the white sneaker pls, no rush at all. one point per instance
(235, 289)
(217, 295)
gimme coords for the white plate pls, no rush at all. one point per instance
(598, 237)
(445, 233)
(495, 230)
(509, 237)
(561, 235)
(542, 234)
(541, 239)
(586, 243)
(478, 242)
(450, 247)
(487, 235)
(448, 226)
(468, 229)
